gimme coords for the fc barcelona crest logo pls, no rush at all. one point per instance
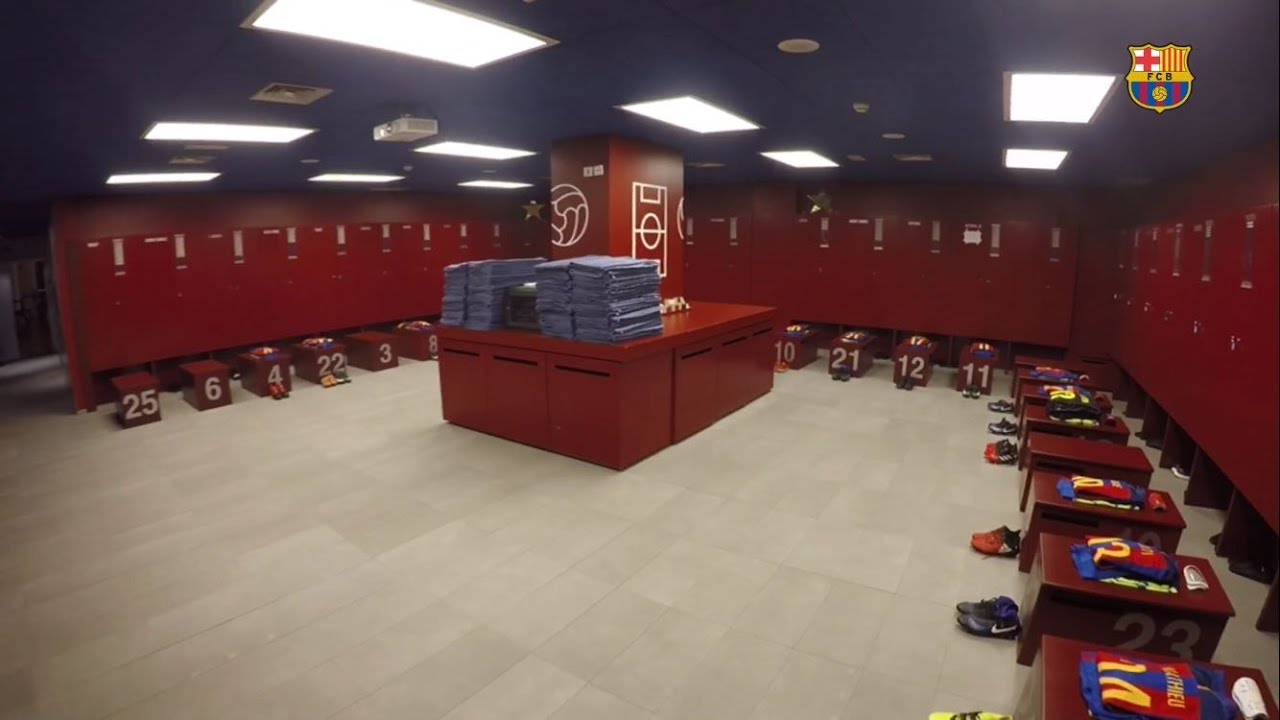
(1159, 78)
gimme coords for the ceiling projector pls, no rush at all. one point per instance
(405, 129)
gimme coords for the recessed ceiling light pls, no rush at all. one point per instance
(222, 132)
(472, 150)
(691, 113)
(800, 158)
(857, 158)
(861, 107)
(1034, 159)
(412, 27)
(355, 178)
(799, 46)
(913, 157)
(894, 136)
(499, 184)
(1055, 97)
(150, 178)
(309, 161)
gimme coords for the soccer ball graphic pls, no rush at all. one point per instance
(1159, 93)
(569, 214)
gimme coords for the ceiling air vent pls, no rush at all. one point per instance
(913, 157)
(290, 94)
(705, 164)
(191, 160)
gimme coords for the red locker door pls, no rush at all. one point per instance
(874, 272)
(102, 301)
(767, 254)
(360, 289)
(208, 282)
(701, 250)
(273, 306)
(150, 293)
(850, 253)
(1247, 298)
(737, 252)
(962, 279)
(409, 276)
(803, 272)
(1060, 285)
(1016, 294)
(827, 289)
(315, 271)
(906, 249)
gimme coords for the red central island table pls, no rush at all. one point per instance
(611, 405)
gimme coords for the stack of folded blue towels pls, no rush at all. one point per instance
(487, 285)
(555, 304)
(614, 299)
(453, 311)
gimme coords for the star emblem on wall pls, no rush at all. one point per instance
(820, 203)
(533, 210)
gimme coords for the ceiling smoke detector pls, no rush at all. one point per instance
(288, 94)
(799, 46)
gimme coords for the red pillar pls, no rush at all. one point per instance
(618, 196)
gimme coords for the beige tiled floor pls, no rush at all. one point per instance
(345, 554)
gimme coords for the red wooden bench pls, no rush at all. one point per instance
(1059, 602)
(1032, 395)
(1051, 513)
(1067, 455)
(1052, 691)
(1035, 418)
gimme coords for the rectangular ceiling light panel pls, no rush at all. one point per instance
(1026, 159)
(1055, 97)
(150, 178)
(472, 150)
(497, 184)
(800, 159)
(222, 132)
(412, 27)
(691, 113)
(355, 178)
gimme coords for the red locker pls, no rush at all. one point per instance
(954, 276)
(270, 304)
(314, 277)
(411, 277)
(360, 293)
(906, 249)
(103, 307)
(701, 259)
(149, 291)
(803, 272)
(853, 258)
(208, 280)
(768, 253)
(1058, 250)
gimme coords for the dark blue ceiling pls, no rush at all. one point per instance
(84, 78)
